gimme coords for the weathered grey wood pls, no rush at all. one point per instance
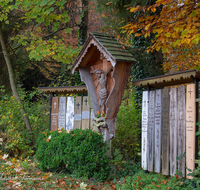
(150, 130)
(92, 127)
(190, 128)
(165, 131)
(70, 113)
(181, 128)
(158, 115)
(61, 113)
(173, 131)
(144, 130)
(78, 113)
(54, 114)
(85, 114)
(86, 77)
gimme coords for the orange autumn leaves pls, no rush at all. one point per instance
(176, 29)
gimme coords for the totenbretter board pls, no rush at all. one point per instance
(85, 114)
(150, 131)
(61, 113)
(190, 128)
(54, 114)
(78, 112)
(70, 113)
(158, 115)
(165, 131)
(144, 129)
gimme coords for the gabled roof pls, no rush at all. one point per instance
(169, 80)
(64, 89)
(112, 50)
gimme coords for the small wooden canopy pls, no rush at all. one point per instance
(169, 80)
(98, 43)
(64, 89)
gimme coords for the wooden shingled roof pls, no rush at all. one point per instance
(169, 80)
(64, 89)
(112, 50)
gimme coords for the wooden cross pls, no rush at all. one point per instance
(165, 98)
(78, 105)
(190, 92)
(144, 103)
(86, 101)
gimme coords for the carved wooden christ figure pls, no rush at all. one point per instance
(102, 78)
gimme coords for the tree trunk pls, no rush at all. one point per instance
(12, 82)
(84, 23)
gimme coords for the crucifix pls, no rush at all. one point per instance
(190, 92)
(165, 99)
(78, 105)
(144, 103)
(86, 101)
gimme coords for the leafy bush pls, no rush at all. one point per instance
(80, 152)
(128, 131)
(15, 139)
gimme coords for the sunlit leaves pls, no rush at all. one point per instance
(176, 28)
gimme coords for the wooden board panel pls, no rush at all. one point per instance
(70, 113)
(61, 114)
(144, 129)
(54, 114)
(158, 115)
(181, 128)
(78, 112)
(165, 131)
(92, 127)
(150, 130)
(85, 114)
(173, 131)
(190, 128)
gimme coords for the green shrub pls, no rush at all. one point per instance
(127, 138)
(80, 152)
(15, 139)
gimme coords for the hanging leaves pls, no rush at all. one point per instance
(176, 28)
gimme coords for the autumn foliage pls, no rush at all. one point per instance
(176, 29)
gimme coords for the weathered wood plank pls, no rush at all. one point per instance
(144, 129)
(78, 112)
(54, 114)
(70, 113)
(92, 127)
(165, 131)
(173, 130)
(150, 130)
(85, 114)
(190, 128)
(181, 128)
(61, 114)
(158, 115)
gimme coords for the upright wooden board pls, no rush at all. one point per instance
(85, 114)
(158, 115)
(54, 114)
(151, 130)
(190, 128)
(181, 128)
(173, 130)
(70, 113)
(78, 112)
(61, 113)
(165, 131)
(92, 127)
(144, 129)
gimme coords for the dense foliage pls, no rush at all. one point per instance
(127, 138)
(16, 140)
(80, 152)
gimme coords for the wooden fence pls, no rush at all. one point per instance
(70, 113)
(168, 130)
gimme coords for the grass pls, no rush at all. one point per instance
(24, 174)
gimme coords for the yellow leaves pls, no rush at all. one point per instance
(132, 9)
(147, 26)
(138, 34)
(153, 9)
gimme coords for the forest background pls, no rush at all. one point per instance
(40, 40)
